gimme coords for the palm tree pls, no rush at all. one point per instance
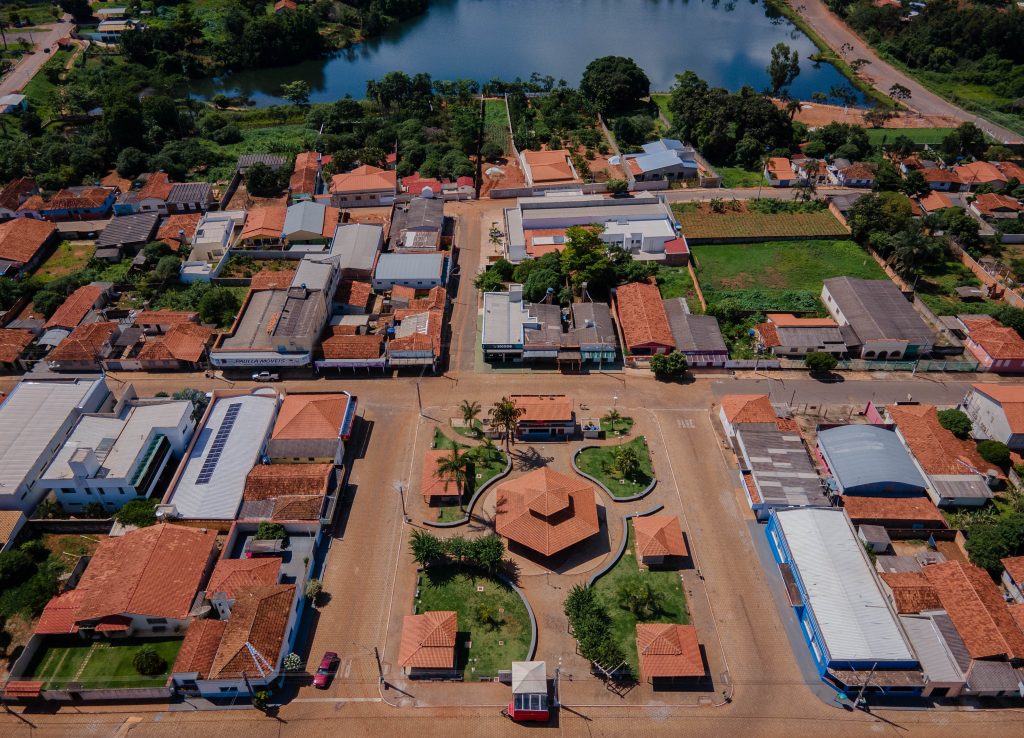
(453, 468)
(792, 107)
(470, 410)
(505, 416)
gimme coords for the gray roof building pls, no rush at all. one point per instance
(419, 271)
(869, 460)
(593, 331)
(780, 467)
(186, 193)
(417, 225)
(697, 336)
(877, 311)
(125, 231)
(355, 247)
(304, 220)
(271, 160)
(937, 661)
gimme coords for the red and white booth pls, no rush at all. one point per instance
(529, 692)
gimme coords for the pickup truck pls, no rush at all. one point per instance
(265, 377)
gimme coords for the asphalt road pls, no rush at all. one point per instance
(32, 63)
(883, 75)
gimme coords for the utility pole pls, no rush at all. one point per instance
(860, 695)
(380, 668)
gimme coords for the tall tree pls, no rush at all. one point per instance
(470, 412)
(783, 67)
(453, 469)
(614, 83)
(505, 416)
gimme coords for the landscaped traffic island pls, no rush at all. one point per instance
(624, 470)
(453, 472)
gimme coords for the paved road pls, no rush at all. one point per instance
(32, 63)
(883, 75)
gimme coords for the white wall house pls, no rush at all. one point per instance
(997, 412)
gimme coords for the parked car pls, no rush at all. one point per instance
(328, 665)
(265, 377)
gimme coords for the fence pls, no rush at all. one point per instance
(986, 278)
(921, 365)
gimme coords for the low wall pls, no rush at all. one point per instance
(695, 241)
(137, 694)
(473, 500)
(1009, 296)
(71, 526)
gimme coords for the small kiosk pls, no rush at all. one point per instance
(529, 692)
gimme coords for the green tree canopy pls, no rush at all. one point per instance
(956, 422)
(669, 366)
(783, 67)
(614, 83)
(820, 361)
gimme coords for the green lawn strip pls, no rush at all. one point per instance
(677, 282)
(466, 431)
(782, 265)
(108, 664)
(64, 261)
(739, 177)
(622, 426)
(920, 136)
(666, 583)
(446, 588)
(598, 460)
(443, 442)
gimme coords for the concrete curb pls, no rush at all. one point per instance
(622, 544)
(473, 500)
(529, 611)
(632, 498)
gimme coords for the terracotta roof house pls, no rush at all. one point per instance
(14, 193)
(418, 339)
(548, 167)
(544, 417)
(305, 181)
(856, 175)
(13, 343)
(737, 409)
(917, 513)
(77, 306)
(658, 537)
(286, 492)
(546, 511)
(997, 412)
(428, 643)
(364, 186)
(231, 577)
(72, 203)
(183, 346)
(778, 171)
(997, 347)
(641, 315)
(160, 321)
(1012, 170)
(177, 230)
(435, 488)
(668, 652)
(977, 609)
(149, 574)
(933, 202)
(263, 226)
(258, 623)
(23, 243)
(1013, 577)
(198, 649)
(994, 205)
(85, 348)
(282, 6)
(957, 475)
(784, 334)
(910, 592)
(342, 351)
(312, 428)
(354, 297)
(979, 173)
(11, 523)
(942, 180)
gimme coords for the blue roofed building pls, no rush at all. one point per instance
(665, 158)
(869, 460)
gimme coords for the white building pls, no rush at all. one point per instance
(35, 419)
(213, 237)
(114, 458)
(997, 413)
(419, 271)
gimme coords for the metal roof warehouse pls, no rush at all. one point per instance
(869, 460)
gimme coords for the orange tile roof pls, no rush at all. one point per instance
(310, 416)
(1011, 170)
(259, 619)
(549, 166)
(154, 571)
(936, 201)
(232, 575)
(976, 607)
(546, 511)
(303, 181)
(1015, 568)
(769, 336)
(992, 202)
(9, 520)
(199, 647)
(642, 315)
(748, 409)
(352, 292)
(183, 342)
(997, 340)
(911, 592)
(21, 238)
(1010, 398)
(13, 343)
(172, 226)
(265, 222)
(935, 175)
(157, 186)
(543, 407)
(332, 216)
(668, 650)
(85, 343)
(164, 317)
(76, 307)
(428, 640)
(23, 688)
(430, 341)
(89, 198)
(267, 279)
(788, 320)
(935, 448)
(779, 167)
(979, 172)
(431, 483)
(894, 509)
(403, 293)
(13, 192)
(59, 615)
(352, 347)
(366, 178)
(272, 481)
(298, 507)
(659, 535)
(1017, 613)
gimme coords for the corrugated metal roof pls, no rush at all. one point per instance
(876, 309)
(693, 333)
(780, 466)
(355, 245)
(305, 217)
(409, 266)
(869, 456)
(843, 593)
(937, 661)
(128, 229)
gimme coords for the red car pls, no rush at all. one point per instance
(328, 665)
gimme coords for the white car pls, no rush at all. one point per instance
(265, 377)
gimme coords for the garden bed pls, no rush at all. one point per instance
(620, 427)
(483, 648)
(101, 664)
(668, 592)
(736, 222)
(480, 475)
(597, 462)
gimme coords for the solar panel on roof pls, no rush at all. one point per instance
(219, 441)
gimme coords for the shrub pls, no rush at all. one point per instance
(148, 662)
(956, 422)
(270, 532)
(669, 366)
(491, 151)
(820, 361)
(16, 567)
(140, 513)
(292, 662)
(313, 589)
(995, 452)
(617, 186)
(639, 598)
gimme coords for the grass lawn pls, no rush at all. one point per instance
(496, 123)
(107, 664)
(473, 431)
(66, 259)
(597, 462)
(739, 177)
(937, 286)
(662, 100)
(40, 89)
(666, 583)
(480, 473)
(677, 282)
(492, 647)
(621, 427)
(284, 139)
(700, 225)
(921, 136)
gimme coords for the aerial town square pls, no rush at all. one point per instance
(511, 367)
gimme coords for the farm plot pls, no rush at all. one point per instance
(705, 225)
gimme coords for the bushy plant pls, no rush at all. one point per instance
(148, 662)
(956, 422)
(270, 532)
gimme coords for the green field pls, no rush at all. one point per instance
(738, 177)
(662, 100)
(920, 136)
(285, 139)
(598, 462)
(666, 584)
(493, 646)
(936, 288)
(101, 664)
(677, 282)
(40, 89)
(496, 123)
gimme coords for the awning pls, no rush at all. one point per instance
(551, 354)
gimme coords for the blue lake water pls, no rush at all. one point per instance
(726, 43)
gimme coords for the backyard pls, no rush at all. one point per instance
(677, 282)
(937, 289)
(667, 592)
(493, 625)
(599, 462)
(496, 123)
(733, 221)
(101, 664)
(66, 259)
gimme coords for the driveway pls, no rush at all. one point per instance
(26, 69)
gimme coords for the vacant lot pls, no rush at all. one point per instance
(492, 618)
(66, 259)
(677, 282)
(703, 225)
(920, 136)
(937, 289)
(739, 177)
(102, 664)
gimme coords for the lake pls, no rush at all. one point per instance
(726, 43)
